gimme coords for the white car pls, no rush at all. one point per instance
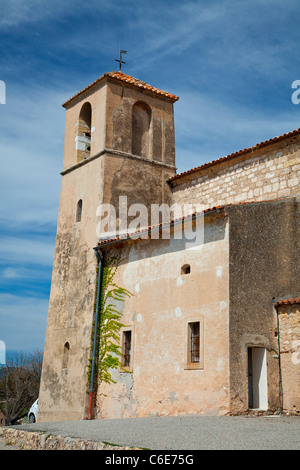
(33, 412)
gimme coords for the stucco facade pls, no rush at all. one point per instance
(108, 170)
(163, 382)
(119, 141)
(264, 266)
(234, 278)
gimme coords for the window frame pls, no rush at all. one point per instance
(189, 365)
(124, 331)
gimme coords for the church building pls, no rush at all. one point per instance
(209, 327)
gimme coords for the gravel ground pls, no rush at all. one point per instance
(186, 432)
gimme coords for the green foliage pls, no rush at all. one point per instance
(109, 324)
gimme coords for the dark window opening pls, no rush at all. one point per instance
(186, 269)
(141, 118)
(66, 355)
(79, 210)
(126, 355)
(83, 132)
(194, 342)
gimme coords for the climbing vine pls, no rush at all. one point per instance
(109, 323)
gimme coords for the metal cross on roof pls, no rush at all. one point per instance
(120, 60)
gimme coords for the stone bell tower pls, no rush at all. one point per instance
(119, 141)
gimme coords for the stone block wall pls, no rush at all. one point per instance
(262, 173)
(27, 440)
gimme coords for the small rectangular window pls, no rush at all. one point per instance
(194, 342)
(126, 349)
(79, 210)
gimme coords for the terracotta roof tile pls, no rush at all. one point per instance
(122, 77)
(126, 236)
(295, 300)
(137, 233)
(235, 154)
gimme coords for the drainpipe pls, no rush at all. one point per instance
(99, 256)
(278, 356)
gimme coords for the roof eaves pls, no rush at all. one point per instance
(235, 154)
(64, 105)
(295, 300)
(136, 83)
(122, 77)
(135, 235)
(147, 230)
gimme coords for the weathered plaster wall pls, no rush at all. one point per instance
(139, 180)
(264, 173)
(120, 100)
(289, 333)
(63, 390)
(108, 173)
(97, 99)
(264, 260)
(158, 313)
(111, 122)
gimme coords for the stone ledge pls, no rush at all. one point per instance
(46, 441)
(117, 153)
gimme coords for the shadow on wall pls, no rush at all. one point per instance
(209, 229)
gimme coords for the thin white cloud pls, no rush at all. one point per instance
(11, 273)
(28, 273)
(236, 36)
(209, 128)
(31, 151)
(16, 13)
(22, 322)
(17, 250)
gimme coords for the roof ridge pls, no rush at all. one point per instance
(139, 83)
(117, 75)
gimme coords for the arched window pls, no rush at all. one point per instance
(83, 133)
(186, 269)
(141, 119)
(66, 355)
(79, 210)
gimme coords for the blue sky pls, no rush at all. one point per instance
(231, 62)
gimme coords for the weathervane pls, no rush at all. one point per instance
(120, 60)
